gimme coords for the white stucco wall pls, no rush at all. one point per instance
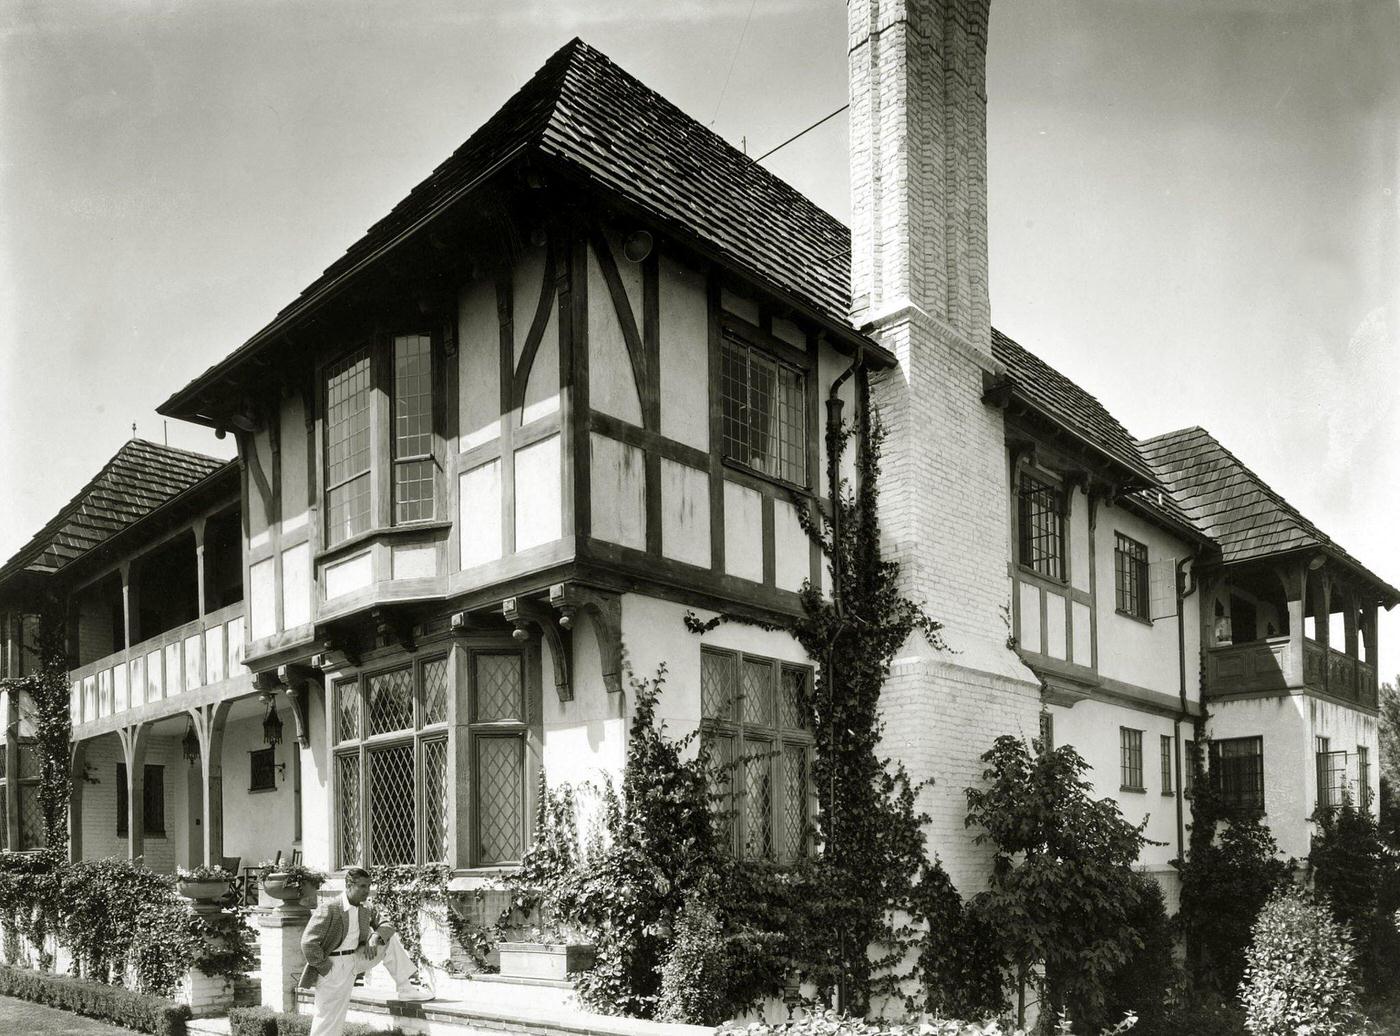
(257, 823)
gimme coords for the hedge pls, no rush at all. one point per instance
(113, 1004)
(262, 1021)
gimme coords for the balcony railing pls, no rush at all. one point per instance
(1259, 665)
(198, 654)
(1347, 677)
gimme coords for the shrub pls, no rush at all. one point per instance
(1353, 870)
(1300, 970)
(261, 1021)
(1143, 983)
(114, 1004)
(1201, 1013)
(1224, 885)
(832, 1024)
(960, 964)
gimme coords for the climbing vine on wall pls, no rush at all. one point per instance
(47, 692)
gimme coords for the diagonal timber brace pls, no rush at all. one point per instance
(604, 611)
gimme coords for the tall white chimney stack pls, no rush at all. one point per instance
(919, 285)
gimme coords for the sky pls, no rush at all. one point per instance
(1194, 207)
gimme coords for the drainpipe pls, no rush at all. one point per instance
(833, 431)
(1183, 591)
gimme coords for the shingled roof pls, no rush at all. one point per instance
(142, 477)
(597, 122)
(1232, 504)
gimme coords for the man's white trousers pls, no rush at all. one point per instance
(333, 989)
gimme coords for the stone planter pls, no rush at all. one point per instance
(289, 892)
(206, 895)
(544, 960)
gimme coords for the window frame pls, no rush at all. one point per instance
(772, 353)
(1167, 744)
(478, 730)
(1130, 761)
(384, 461)
(739, 731)
(1029, 557)
(1327, 772)
(1131, 566)
(26, 796)
(1363, 776)
(1253, 803)
(365, 744)
(256, 766)
(1188, 768)
(1047, 732)
(148, 829)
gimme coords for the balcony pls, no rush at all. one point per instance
(191, 664)
(1268, 665)
(1345, 677)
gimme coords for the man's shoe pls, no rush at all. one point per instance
(413, 994)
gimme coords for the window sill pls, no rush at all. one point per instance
(763, 476)
(1130, 615)
(1052, 582)
(391, 532)
(261, 791)
(1135, 791)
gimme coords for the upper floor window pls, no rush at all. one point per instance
(753, 726)
(1130, 576)
(1237, 773)
(1041, 526)
(764, 407)
(354, 449)
(1363, 775)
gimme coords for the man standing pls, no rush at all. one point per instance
(344, 939)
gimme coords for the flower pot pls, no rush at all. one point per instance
(288, 892)
(544, 960)
(205, 894)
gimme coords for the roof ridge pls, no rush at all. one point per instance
(1269, 490)
(167, 448)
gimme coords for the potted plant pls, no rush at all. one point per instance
(288, 882)
(205, 887)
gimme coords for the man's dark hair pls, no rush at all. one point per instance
(356, 874)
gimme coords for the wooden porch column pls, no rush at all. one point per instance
(129, 606)
(209, 723)
(199, 564)
(77, 769)
(1321, 593)
(1349, 638)
(1295, 587)
(134, 739)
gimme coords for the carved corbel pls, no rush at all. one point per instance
(395, 629)
(295, 679)
(605, 611)
(462, 623)
(335, 652)
(522, 614)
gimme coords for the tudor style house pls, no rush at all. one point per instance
(574, 387)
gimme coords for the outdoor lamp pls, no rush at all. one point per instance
(272, 725)
(189, 744)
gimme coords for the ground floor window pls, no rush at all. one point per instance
(1165, 741)
(1331, 775)
(1363, 776)
(1237, 773)
(396, 762)
(1130, 759)
(753, 727)
(26, 781)
(152, 801)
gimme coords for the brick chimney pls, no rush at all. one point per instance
(919, 285)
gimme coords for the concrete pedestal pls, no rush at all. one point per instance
(279, 941)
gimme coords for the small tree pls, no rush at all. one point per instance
(1062, 894)
(1300, 970)
(1389, 729)
(1350, 868)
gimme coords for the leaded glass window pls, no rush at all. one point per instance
(413, 428)
(392, 766)
(764, 411)
(348, 447)
(1130, 758)
(1130, 576)
(1165, 743)
(1237, 773)
(759, 743)
(499, 718)
(1041, 527)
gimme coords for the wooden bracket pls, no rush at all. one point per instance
(605, 615)
(462, 623)
(996, 389)
(394, 628)
(295, 678)
(331, 647)
(522, 614)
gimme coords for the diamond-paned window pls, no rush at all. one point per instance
(761, 794)
(501, 799)
(398, 811)
(390, 702)
(499, 687)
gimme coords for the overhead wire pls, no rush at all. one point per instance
(732, 59)
(801, 133)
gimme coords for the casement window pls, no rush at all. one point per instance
(262, 770)
(761, 751)
(356, 445)
(1237, 774)
(499, 713)
(1331, 775)
(1363, 775)
(26, 781)
(1188, 768)
(1130, 576)
(1047, 732)
(764, 406)
(391, 770)
(152, 801)
(1040, 514)
(1130, 758)
(1166, 743)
